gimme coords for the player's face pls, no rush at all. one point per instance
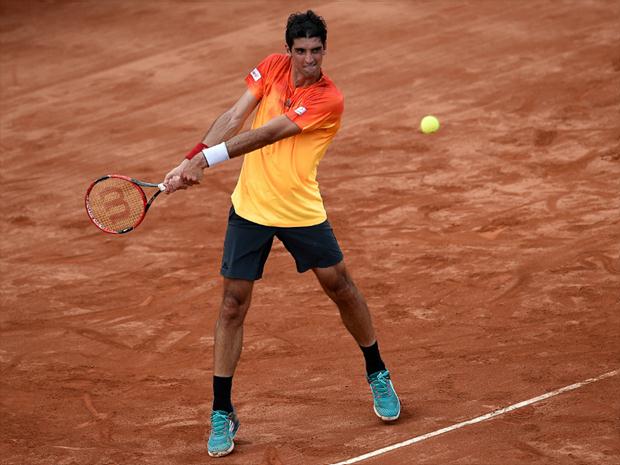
(307, 55)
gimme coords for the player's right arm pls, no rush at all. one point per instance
(223, 128)
(274, 130)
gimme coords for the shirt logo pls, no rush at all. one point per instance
(300, 110)
(255, 74)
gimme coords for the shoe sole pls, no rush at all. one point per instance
(222, 453)
(387, 418)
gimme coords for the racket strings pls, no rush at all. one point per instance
(116, 204)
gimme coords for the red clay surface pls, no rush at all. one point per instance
(489, 252)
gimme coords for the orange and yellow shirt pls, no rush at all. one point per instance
(277, 185)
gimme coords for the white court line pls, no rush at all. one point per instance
(488, 416)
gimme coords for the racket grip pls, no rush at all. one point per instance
(162, 186)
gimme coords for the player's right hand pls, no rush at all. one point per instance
(173, 180)
(174, 184)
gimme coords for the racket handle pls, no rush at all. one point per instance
(161, 186)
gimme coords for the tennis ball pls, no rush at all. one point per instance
(429, 124)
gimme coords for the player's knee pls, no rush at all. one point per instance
(341, 289)
(232, 310)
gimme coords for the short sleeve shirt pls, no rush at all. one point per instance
(278, 183)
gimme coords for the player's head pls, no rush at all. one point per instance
(308, 24)
(306, 35)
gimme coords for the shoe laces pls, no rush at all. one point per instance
(219, 422)
(380, 384)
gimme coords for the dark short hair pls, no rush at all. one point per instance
(307, 24)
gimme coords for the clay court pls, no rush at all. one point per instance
(489, 252)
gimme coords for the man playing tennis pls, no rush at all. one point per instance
(277, 194)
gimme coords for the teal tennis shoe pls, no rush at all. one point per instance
(387, 404)
(224, 426)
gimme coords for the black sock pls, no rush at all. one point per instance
(372, 358)
(222, 386)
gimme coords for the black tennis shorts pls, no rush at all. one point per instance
(247, 246)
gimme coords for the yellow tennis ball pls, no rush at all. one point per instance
(429, 124)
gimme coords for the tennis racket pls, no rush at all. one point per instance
(117, 204)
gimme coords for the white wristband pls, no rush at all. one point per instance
(216, 154)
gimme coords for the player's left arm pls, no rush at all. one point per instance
(224, 127)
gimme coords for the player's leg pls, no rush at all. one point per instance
(226, 352)
(246, 249)
(236, 300)
(316, 248)
(339, 286)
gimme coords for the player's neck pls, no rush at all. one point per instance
(299, 80)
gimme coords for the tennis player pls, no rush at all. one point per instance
(277, 194)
